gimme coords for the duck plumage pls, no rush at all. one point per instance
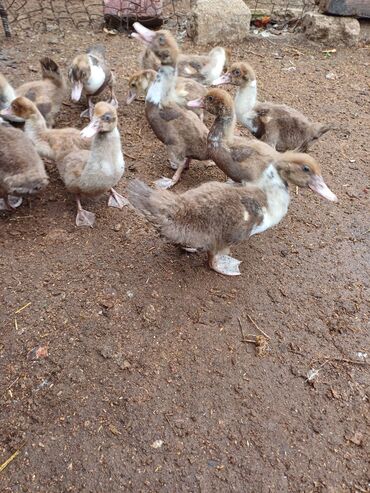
(279, 125)
(47, 94)
(22, 172)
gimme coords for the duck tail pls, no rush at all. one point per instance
(319, 130)
(156, 205)
(50, 70)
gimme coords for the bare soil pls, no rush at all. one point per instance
(125, 342)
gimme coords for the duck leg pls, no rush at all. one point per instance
(88, 113)
(170, 182)
(223, 263)
(117, 200)
(84, 218)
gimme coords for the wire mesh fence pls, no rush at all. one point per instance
(118, 14)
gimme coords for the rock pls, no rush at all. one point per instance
(217, 22)
(333, 30)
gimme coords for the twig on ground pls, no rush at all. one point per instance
(258, 328)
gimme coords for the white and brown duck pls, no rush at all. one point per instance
(90, 74)
(92, 173)
(215, 216)
(184, 135)
(202, 68)
(282, 127)
(47, 94)
(239, 158)
(51, 143)
(22, 172)
(185, 90)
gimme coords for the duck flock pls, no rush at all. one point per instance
(178, 88)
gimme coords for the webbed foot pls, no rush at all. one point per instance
(224, 264)
(117, 200)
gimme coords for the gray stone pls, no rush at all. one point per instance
(331, 30)
(218, 21)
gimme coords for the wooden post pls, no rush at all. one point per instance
(4, 18)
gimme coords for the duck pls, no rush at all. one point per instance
(239, 158)
(22, 171)
(186, 89)
(215, 216)
(47, 93)
(92, 173)
(202, 68)
(280, 126)
(50, 143)
(184, 135)
(90, 73)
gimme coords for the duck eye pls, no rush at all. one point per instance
(237, 72)
(161, 39)
(306, 168)
(210, 98)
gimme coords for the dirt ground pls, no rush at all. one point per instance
(143, 382)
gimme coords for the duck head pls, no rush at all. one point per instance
(162, 43)
(240, 74)
(139, 84)
(304, 171)
(78, 74)
(20, 110)
(104, 120)
(217, 102)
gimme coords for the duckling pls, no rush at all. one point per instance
(92, 173)
(202, 68)
(47, 94)
(186, 89)
(22, 172)
(238, 157)
(178, 128)
(215, 216)
(278, 125)
(50, 143)
(90, 73)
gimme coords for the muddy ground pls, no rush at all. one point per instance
(143, 344)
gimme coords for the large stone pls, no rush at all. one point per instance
(218, 21)
(331, 30)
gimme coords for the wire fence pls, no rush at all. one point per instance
(49, 15)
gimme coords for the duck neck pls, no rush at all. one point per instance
(106, 146)
(277, 197)
(7, 94)
(35, 125)
(222, 130)
(246, 97)
(163, 90)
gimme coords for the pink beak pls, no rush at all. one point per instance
(224, 79)
(196, 103)
(76, 91)
(91, 130)
(142, 33)
(318, 185)
(131, 96)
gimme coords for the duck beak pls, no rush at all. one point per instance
(224, 79)
(131, 96)
(318, 185)
(145, 35)
(196, 103)
(76, 91)
(91, 130)
(9, 116)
